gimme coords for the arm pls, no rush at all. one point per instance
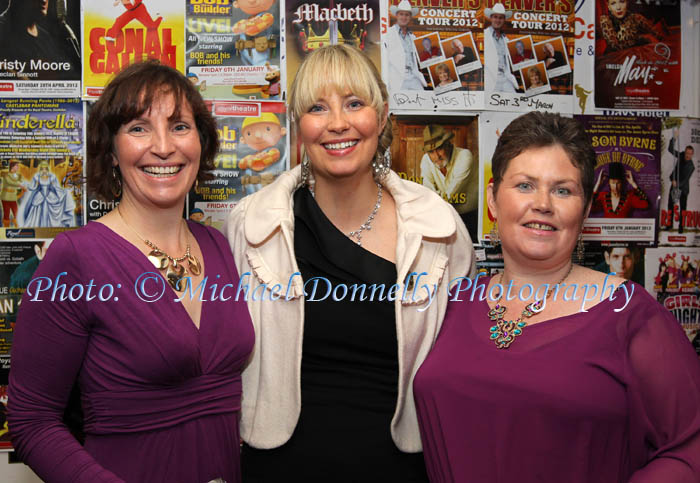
(457, 178)
(664, 399)
(49, 346)
(426, 172)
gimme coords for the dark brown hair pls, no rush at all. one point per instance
(542, 129)
(127, 96)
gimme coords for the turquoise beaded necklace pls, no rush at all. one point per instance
(505, 331)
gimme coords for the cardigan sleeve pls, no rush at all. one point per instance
(664, 398)
(50, 341)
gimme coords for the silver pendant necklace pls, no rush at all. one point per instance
(367, 225)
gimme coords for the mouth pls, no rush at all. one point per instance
(539, 226)
(162, 171)
(340, 145)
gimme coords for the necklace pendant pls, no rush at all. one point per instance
(195, 266)
(158, 259)
(174, 276)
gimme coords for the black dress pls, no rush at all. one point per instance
(349, 371)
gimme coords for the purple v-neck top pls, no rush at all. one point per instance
(160, 397)
(593, 397)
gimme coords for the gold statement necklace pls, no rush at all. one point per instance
(174, 268)
(505, 331)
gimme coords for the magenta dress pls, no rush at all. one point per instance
(160, 397)
(596, 397)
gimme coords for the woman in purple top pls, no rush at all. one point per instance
(134, 308)
(518, 390)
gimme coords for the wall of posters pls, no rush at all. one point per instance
(637, 54)
(626, 190)
(529, 56)
(233, 48)
(121, 33)
(41, 156)
(40, 49)
(679, 218)
(433, 55)
(253, 152)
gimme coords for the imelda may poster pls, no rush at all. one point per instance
(119, 33)
(18, 261)
(672, 275)
(314, 23)
(627, 186)
(679, 219)
(233, 48)
(432, 54)
(529, 55)
(638, 54)
(441, 153)
(41, 165)
(39, 48)
(253, 152)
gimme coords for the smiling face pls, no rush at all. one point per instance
(443, 75)
(497, 20)
(262, 135)
(539, 207)
(158, 157)
(534, 76)
(549, 50)
(617, 8)
(457, 46)
(427, 45)
(253, 7)
(403, 18)
(621, 261)
(340, 133)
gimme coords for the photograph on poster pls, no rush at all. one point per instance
(428, 49)
(444, 76)
(554, 56)
(520, 52)
(535, 79)
(462, 50)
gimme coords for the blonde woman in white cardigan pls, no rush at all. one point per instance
(345, 267)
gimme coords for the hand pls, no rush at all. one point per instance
(676, 132)
(630, 179)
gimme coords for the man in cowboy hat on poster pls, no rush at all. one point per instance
(499, 78)
(403, 72)
(450, 172)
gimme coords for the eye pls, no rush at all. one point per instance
(316, 108)
(524, 186)
(356, 104)
(181, 126)
(561, 191)
(136, 129)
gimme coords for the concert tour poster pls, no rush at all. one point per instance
(233, 49)
(627, 178)
(432, 59)
(672, 275)
(40, 48)
(529, 56)
(637, 54)
(252, 154)
(679, 219)
(117, 34)
(422, 145)
(312, 24)
(41, 166)
(492, 124)
(18, 261)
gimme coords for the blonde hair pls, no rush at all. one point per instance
(342, 68)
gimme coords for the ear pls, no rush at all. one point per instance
(491, 200)
(115, 163)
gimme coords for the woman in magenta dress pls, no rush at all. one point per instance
(558, 394)
(115, 308)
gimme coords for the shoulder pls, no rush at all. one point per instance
(206, 234)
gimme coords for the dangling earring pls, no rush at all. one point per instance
(305, 171)
(381, 165)
(580, 249)
(117, 183)
(493, 234)
(196, 185)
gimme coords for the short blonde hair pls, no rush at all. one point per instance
(343, 68)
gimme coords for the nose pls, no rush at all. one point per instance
(338, 121)
(162, 143)
(543, 201)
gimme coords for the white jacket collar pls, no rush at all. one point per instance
(431, 218)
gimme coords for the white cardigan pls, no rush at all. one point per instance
(431, 238)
